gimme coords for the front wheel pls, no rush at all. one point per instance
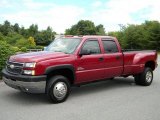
(145, 78)
(58, 89)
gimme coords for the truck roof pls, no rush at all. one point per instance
(88, 36)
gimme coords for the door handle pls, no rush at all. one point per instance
(101, 59)
(117, 57)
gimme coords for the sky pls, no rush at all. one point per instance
(62, 14)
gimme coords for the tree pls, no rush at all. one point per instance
(100, 30)
(130, 37)
(49, 32)
(86, 27)
(83, 27)
(5, 51)
(31, 41)
(152, 34)
(22, 43)
(33, 30)
(120, 36)
(72, 31)
(45, 37)
(6, 28)
(13, 38)
(1, 37)
(16, 28)
(23, 32)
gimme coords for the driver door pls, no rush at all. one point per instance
(90, 65)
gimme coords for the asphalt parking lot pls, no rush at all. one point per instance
(118, 99)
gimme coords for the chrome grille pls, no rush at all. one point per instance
(14, 67)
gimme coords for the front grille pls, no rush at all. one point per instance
(14, 67)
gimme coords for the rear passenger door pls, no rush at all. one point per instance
(90, 67)
(113, 58)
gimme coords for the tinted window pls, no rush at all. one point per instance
(110, 46)
(92, 46)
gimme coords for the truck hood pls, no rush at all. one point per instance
(37, 56)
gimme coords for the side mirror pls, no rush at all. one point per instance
(85, 52)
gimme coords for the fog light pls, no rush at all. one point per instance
(29, 72)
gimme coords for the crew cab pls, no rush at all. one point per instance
(76, 60)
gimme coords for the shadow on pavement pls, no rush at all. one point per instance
(94, 88)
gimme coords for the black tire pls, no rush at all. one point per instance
(145, 78)
(52, 89)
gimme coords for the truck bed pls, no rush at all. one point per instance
(134, 60)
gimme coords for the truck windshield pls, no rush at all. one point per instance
(65, 45)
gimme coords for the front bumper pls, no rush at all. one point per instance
(30, 84)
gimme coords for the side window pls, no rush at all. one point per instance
(110, 46)
(91, 46)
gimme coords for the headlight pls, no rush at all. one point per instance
(30, 65)
(29, 72)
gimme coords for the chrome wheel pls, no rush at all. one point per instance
(149, 76)
(60, 90)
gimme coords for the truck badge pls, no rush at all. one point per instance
(11, 66)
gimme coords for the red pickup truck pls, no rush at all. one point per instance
(69, 61)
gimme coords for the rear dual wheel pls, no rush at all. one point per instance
(145, 78)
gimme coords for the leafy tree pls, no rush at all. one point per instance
(23, 49)
(5, 51)
(16, 28)
(33, 30)
(24, 32)
(72, 31)
(31, 41)
(44, 37)
(1, 37)
(13, 38)
(83, 27)
(120, 36)
(130, 37)
(100, 30)
(22, 43)
(86, 27)
(152, 34)
(13, 33)
(6, 28)
(143, 36)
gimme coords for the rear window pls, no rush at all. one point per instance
(110, 46)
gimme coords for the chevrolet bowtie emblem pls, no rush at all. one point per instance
(11, 66)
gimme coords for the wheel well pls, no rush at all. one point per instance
(65, 72)
(150, 64)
